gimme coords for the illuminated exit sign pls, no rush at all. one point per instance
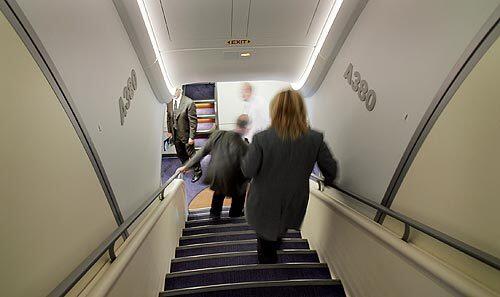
(233, 42)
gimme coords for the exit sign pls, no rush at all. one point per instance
(233, 42)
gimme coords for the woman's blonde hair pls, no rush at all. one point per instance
(288, 114)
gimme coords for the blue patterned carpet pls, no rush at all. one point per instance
(168, 167)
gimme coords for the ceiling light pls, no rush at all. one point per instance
(322, 37)
(245, 55)
(154, 43)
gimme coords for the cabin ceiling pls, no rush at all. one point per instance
(192, 37)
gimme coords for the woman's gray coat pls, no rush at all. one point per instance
(280, 170)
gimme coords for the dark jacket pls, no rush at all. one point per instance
(182, 119)
(224, 174)
(280, 170)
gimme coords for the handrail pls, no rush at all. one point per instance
(409, 222)
(108, 245)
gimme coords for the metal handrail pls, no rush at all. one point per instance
(108, 245)
(409, 222)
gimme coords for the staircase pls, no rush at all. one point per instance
(218, 258)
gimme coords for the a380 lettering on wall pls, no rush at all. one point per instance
(128, 95)
(360, 86)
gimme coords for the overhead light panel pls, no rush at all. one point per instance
(154, 43)
(317, 49)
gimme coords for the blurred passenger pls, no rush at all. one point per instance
(257, 109)
(224, 174)
(181, 124)
(279, 161)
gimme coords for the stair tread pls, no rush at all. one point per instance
(246, 267)
(236, 242)
(228, 233)
(216, 228)
(203, 100)
(247, 273)
(234, 246)
(211, 222)
(204, 210)
(206, 215)
(238, 254)
(239, 258)
(274, 288)
(227, 236)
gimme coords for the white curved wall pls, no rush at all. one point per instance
(372, 261)
(92, 51)
(144, 258)
(405, 50)
(452, 185)
(53, 211)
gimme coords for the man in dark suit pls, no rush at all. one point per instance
(182, 123)
(227, 149)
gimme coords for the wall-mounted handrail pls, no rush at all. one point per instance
(409, 222)
(108, 244)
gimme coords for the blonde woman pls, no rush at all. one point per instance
(279, 161)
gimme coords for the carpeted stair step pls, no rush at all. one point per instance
(204, 210)
(216, 229)
(205, 126)
(288, 288)
(235, 246)
(239, 258)
(205, 110)
(246, 273)
(206, 215)
(210, 222)
(227, 236)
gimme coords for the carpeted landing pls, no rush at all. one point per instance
(170, 164)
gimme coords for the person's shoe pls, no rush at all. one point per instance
(196, 177)
(236, 215)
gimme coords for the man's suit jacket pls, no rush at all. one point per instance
(224, 174)
(182, 121)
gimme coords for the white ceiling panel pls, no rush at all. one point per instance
(281, 19)
(317, 23)
(222, 43)
(198, 19)
(240, 18)
(270, 63)
(192, 37)
(155, 14)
